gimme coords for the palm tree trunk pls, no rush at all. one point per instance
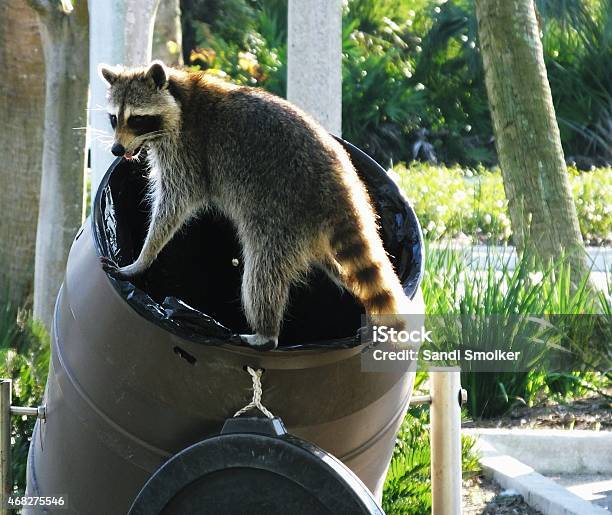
(65, 37)
(542, 210)
(22, 94)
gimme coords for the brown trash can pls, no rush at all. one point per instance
(141, 371)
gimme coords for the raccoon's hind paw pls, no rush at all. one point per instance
(259, 342)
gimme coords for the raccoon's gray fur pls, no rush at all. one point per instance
(287, 185)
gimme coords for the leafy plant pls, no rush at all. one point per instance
(562, 331)
(256, 55)
(24, 358)
(578, 49)
(407, 488)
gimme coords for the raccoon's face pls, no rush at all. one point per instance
(141, 109)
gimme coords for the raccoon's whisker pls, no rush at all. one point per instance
(103, 139)
(93, 129)
(97, 135)
(105, 143)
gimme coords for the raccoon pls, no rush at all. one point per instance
(287, 185)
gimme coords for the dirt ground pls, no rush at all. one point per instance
(588, 413)
(482, 496)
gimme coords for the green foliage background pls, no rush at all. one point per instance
(413, 83)
(24, 358)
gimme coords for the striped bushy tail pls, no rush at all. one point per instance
(365, 269)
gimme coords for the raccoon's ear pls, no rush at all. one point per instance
(107, 74)
(157, 73)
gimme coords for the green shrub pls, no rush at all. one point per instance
(593, 198)
(452, 201)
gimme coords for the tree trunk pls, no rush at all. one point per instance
(167, 33)
(22, 97)
(65, 37)
(314, 60)
(541, 207)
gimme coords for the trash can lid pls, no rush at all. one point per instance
(254, 466)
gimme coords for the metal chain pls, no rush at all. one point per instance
(257, 391)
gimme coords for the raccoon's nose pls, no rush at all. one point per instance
(118, 149)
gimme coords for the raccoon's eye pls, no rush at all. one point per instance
(113, 120)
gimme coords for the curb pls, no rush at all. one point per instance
(538, 491)
(554, 451)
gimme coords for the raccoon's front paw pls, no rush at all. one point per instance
(122, 273)
(110, 266)
(259, 342)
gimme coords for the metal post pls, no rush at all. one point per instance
(445, 416)
(5, 445)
